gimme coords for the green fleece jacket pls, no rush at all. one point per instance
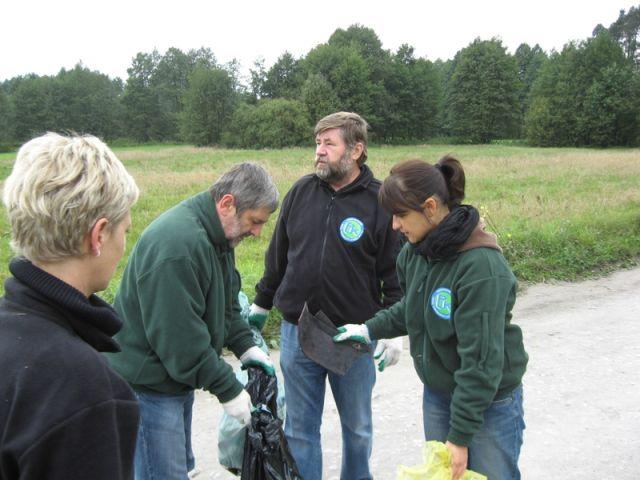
(179, 302)
(457, 314)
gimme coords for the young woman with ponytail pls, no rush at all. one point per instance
(458, 295)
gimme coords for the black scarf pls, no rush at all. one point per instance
(92, 319)
(443, 242)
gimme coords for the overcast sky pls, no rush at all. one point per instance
(44, 36)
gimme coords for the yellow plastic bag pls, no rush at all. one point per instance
(437, 465)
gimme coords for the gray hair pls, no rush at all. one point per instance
(60, 186)
(250, 185)
(353, 129)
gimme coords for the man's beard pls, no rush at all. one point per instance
(233, 232)
(235, 241)
(335, 173)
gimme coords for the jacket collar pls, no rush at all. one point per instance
(204, 208)
(92, 319)
(480, 238)
(461, 230)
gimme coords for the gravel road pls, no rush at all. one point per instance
(582, 391)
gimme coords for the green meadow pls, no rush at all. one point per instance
(559, 213)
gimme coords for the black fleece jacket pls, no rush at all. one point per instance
(64, 413)
(334, 250)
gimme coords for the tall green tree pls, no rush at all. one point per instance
(140, 99)
(233, 68)
(581, 92)
(153, 97)
(364, 39)
(611, 108)
(379, 70)
(257, 79)
(413, 88)
(482, 100)
(318, 97)
(626, 31)
(77, 100)
(348, 73)
(283, 79)
(86, 101)
(444, 70)
(201, 57)
(529, 60)
(6, 118)
(272, 123)
(34, 107)
(169, 80)
(209, 103)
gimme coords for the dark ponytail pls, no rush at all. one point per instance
(412, 182)
(453, 174)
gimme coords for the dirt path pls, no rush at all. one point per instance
(582, 391)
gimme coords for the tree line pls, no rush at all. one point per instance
(587, 94)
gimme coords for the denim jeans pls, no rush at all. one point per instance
(163, 450)
(305, 383)
(495, 449)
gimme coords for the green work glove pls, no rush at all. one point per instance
(257, 358)
(353, 332)
(257, 316)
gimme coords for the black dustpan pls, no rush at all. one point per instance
(315, 335)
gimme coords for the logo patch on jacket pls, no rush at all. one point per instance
(441, 303)
(351, 229)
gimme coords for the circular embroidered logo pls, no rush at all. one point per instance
(441, 303)
(351, 229)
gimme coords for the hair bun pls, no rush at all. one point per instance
(454, 177)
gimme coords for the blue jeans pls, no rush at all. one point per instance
(163, 450)
(305, 383)
(495, 449)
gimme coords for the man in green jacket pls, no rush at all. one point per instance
(179, 302)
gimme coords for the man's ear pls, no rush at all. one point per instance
(227, 205)
(96, 236)
(357, 150)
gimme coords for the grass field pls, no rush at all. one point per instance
(559, 213)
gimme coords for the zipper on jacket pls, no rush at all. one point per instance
(424, 282)
(326, 230)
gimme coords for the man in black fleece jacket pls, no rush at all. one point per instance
(333, 248)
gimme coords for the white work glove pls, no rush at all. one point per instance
(351, 331)
(258, 316)
(239, 407)
(257, 358)
(388, 352)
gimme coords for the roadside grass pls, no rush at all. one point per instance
(560, 214)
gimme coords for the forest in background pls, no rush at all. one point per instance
(587, 94)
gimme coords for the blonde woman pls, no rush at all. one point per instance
(64, 413)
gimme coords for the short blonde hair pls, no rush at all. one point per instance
(58, 188)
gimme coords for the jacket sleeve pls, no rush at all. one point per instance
(172, 313)
(390, 244)
(98, 442)
(239, 337)
(275, 260)
(479, 322)
(390, 323)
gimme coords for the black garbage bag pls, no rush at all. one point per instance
(266, 452)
